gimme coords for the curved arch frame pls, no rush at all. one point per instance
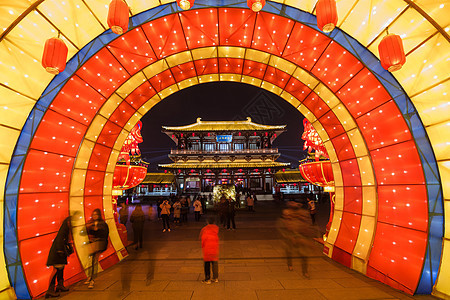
(401, 101)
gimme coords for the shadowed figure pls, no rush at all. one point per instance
(292, 226)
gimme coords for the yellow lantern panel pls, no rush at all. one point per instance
(131, 84)
(339, 198)
(179, 58)
(203, 53)
(271, 88)
(344, 117)
(168, 91)
(282, 64)
(149, 104)
(251, 80)
(366, 170)
(110, 105)
(14, 108)
(96, 127)
(236, 52)
(439, 137)
(335, 225)
(433, 105)
(77, 183)
(8, 137)
(187, 83)
(442, 285)
(370, 199)
(84, 154)
(155, 68)
(444, 170)
(358, 143)
(365, 237)
(257, 56)
(230, 77)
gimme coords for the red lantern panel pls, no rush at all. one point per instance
(200, 28)
(348, 231)
(331, 124)
(78, 101)
(94, 183)
(392, 54)
(315, 104)
(398, 164)
(109, 134)
(403, 205)
(318, 173)
(276, 77)
(122, 114)
(118, 16)
(297, 89)
(206, 66)
(184, 71)
(350, 172)
(353, 199)
(304, 46)
(91, 203)
(54, 56)
(162, 80)
(384, 126)
(132, 50)
(254, 69)
(363, 93)
(398, 254)
(271, 33)
(327, 16)
(99, 158)
(236, 27)
(231, 65)
(343, 147)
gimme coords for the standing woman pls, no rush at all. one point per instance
(165, 212)
(137, 220)
(57, 258)
(98, 232)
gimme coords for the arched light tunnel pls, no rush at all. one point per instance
(388, 220)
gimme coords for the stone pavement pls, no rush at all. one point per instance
(252, 265)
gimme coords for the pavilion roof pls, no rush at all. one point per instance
(159, 178)
(289, 177)
(247, 125)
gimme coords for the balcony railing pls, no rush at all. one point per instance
(244, 151)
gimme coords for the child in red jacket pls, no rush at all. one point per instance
(210, 248)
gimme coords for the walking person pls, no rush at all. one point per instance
(123, 213)
(312, 210)
(137, 220)
(184, 210)
(197, 209)
(165, 212)
(250, 203)
(176, 211)
(98, 235)
(57, 258)
(209, 236)
(231, 210)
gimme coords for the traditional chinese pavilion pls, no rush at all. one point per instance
(224, 152)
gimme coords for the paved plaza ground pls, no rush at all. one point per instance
(252, 266)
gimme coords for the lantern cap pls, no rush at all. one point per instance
(184, 4)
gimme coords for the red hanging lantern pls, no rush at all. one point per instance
(185, 4)
(256, 5)
(55, 56)
(118, 16)
(392, 55)
(327, 17)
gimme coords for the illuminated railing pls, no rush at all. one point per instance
(245, 151)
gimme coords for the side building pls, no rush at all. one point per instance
(209, 153)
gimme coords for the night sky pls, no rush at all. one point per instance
(221, 101)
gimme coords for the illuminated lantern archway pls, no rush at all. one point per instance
(392, 55)
(55, 56)
(368, 140)
(118, 16)
(327, 16)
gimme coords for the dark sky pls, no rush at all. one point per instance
(221, 101)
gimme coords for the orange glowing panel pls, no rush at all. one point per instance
(122, 114)
(99, 158)
(206, 66)
(128, 176)
(363, 93)
(271, 33)
(78, 101)
(350, 173)
(31, 219)
(403, 205)
(231, 65)
(165, 35)
(348, 231)
(200, 27)
(140, 95)
(162, 80)
(109, 134)
(384, 126)
(254, 69)
(336, 66)
(304, 46)
(398, 164)
(103, 72)
(184, 71)
(315, 104)
(94, 183)
(58, 134)
(343, 147)
(276, 77)
(398, 253)
(91, 203)
(318, 173)
(132, 50)
(331, 124)
(46, 172)
(297, 89)
(353, 199)
(236, 27)
(108, 258)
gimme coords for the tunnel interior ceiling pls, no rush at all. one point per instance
(378, 146)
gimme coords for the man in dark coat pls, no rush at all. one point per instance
(231, 211)
(57, 258)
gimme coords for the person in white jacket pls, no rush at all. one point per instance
(197, 209)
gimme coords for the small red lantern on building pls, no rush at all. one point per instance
(327, 16)
(392, 54)
(256, 5)
(118, 16)
(185, 4)
(55, 56)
